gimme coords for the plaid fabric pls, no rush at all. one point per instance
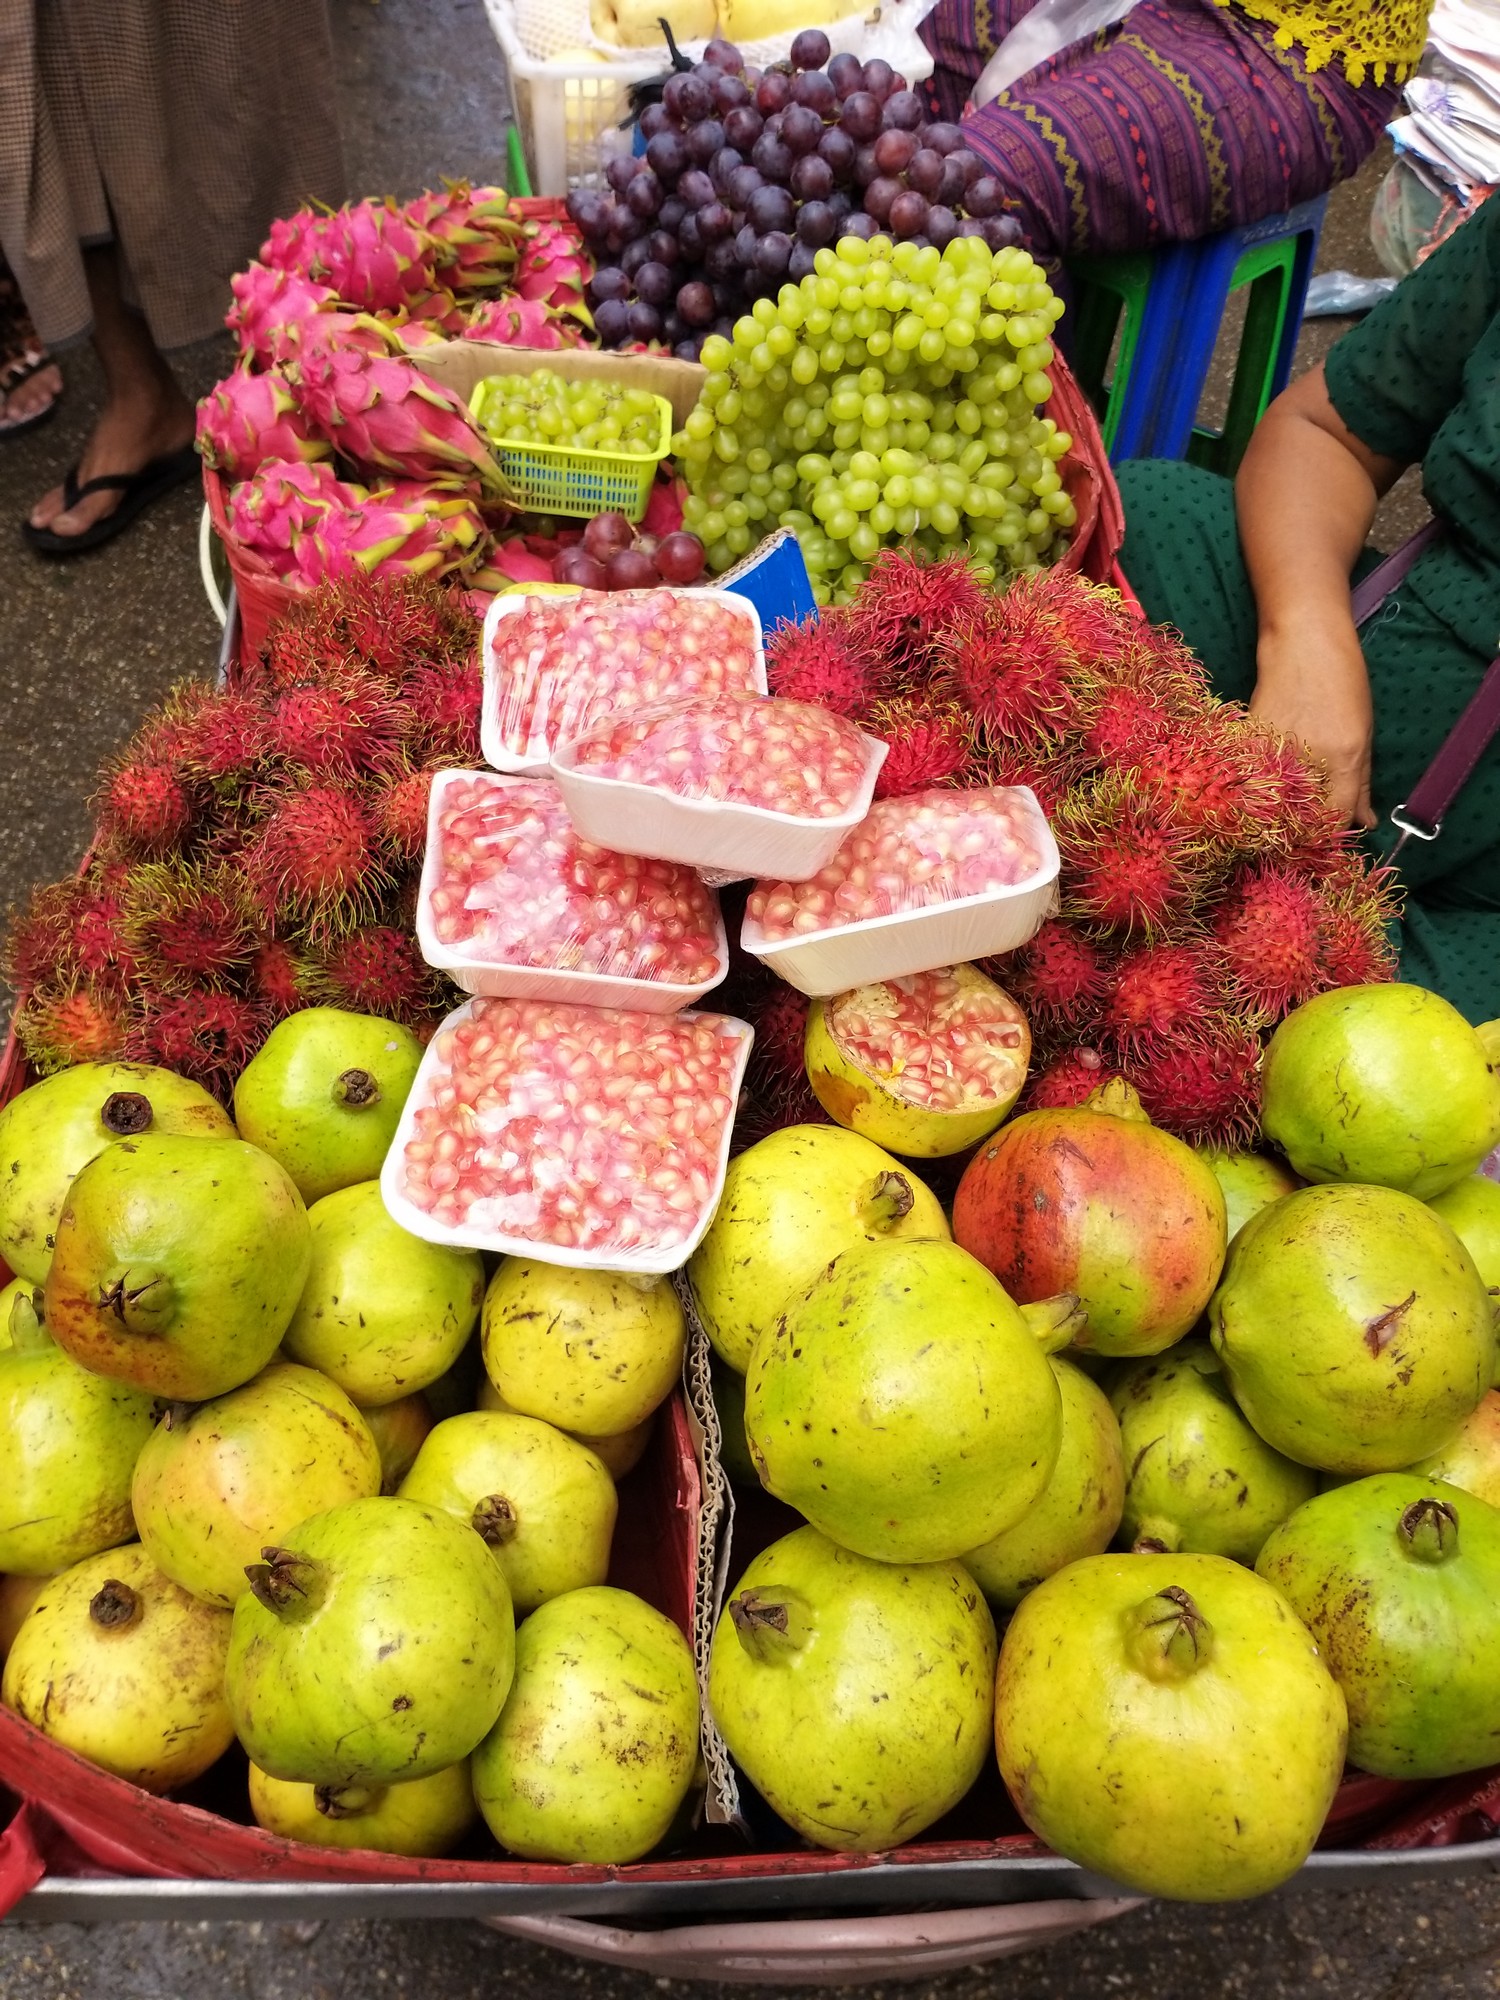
(1180, 121)
(179, 128)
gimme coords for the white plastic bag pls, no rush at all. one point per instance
(1049, 28)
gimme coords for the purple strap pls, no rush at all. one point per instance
(1420, 816)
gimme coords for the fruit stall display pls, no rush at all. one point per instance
(349, 1311)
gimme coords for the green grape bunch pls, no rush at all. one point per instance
(589, 415)
(895, 394)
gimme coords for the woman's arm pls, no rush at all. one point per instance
(1306, 496)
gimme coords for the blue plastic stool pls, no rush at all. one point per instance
(1173, 305)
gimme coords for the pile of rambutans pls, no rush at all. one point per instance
(256, 850)
(1207, 885)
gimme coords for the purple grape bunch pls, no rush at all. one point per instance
(747, 174)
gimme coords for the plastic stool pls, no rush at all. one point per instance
(1172, 304)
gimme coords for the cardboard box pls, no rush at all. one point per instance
(460, 364)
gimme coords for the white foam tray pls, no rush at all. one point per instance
(490, 978)
(537, 757)
(651, 1263)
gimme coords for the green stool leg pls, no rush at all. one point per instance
(1267, 269)
(1105, 291)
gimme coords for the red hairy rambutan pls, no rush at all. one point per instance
(380, 623)
(342, 725)
(190, 923)
(143, 806)
(1128, 722)
(71, 1022)
(280, 979)
(814, 662)
(206, 1035)
(314, 859)
(41, 940)
(440, 711)
(1061, 977)
(1010, 665)
(1203, 1082)
(217, 735)
(1269, 927)
(928, 746)
(400, 807)
(1159, 987)
(1355, 953)
(896, 621)
(777, 1091)
(1066, 1081)
(1124, 864)
(378, 970)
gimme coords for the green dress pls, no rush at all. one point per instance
(1418, 380)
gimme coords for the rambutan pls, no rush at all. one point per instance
(143, 805)
(1269, 928)
(219, 735)
(380, 623)
(1127, 723)
(1066, 1081)
(378, 970)
(281, 980)
(72, 929)
(1010, 664)
(71, 1022)
(777, 1091)
(440, 706)
(1050, 776)
(814, 662)
(346, 723)
(1203, 1082)
(897, 620)
(400, 807)
(190, 923)
(1354, 952)
(207, 1036)
(1158, 987)
(929, 745)
(314, 859)
(1125, 864)
(1061, 977)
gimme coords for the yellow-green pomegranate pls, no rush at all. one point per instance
(593, 1352)
(1470, 1459)
(618, 1454)
(1353, 1327)
(1080, 1506)
(904, 1404)
(117, 1663)
(1351, 1093)
(17, 1595)
(544, 1505)
(1167, 1721)
(1249, 1182)
(855, 1695)
(1398, 1578)
(383, 1314)
(1197, 1476)
(50, 1133)
(178, 1264)
(216, 1482)
(425, 1816)
(398, 1430)
(376, 1646)
(597, 1743)
(791, 1204)
(22, 1309)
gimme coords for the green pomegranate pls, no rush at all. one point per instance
(51, 1132)
(69, 1441)
(1197, 1476)
(619, 1453)
(216, 1482)
(1471, 1457)
(1471, 1209)
(1381, 1084)
(1399, 1579)
(398, 1430)
(1094, 1200)
(425, 1816)
(1166, 1721)
(22, 1308)
(542, 1503)
(376, 1647)
(383, 1314)
(1079, 1509)
(1354, 1329)
(117, 1664)
(791, 1204)
(324, 1096)
(855, 1695)
(904, 1405)
(597, 1743)
(1249, 1182)
(593, 1352)
(178, 1264)
(17, 1595)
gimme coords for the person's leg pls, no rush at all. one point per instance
(145, 413)
(30, 381)
(1182, 559)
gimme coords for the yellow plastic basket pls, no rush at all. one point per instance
(563, 479)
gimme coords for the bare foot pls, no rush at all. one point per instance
(29, 398)
(128, 435)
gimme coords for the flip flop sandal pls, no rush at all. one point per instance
(137, 490)
(11, 379)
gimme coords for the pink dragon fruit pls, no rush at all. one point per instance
(553, 267)
(477, 237)
(372, 255)
(266, 302)
(438, 309)
(407, 529)
(247, 419)
(383, 411)
(512, 322)
(272, 510)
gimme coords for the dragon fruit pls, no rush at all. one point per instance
(515, 322)
(247, 419)
(370, 252)
(477, 237)
(276, 506)
(407, 529)
(383, 411)
(266, 302)
(553, 267)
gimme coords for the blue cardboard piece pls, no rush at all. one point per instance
(774, 578)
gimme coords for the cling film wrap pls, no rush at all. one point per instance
(509, 882)
(554, 666)
(910, 854)
(739, 749)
